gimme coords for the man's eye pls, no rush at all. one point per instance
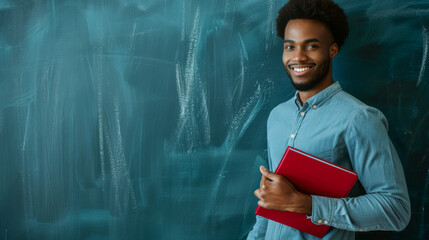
(288, 47)
(312, 47)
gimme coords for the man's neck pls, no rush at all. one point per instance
(305, 95)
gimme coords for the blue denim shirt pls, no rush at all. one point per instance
(337, 127)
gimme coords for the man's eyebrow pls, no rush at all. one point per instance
(311, 40)
(305, 41)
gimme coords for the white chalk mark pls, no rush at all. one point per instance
(190, 68)
(226, 8)
(25, 172)
(244, 58)
(242, 120)
(123, 193)
(101, 131)
(98, 75)
(425, 55)
(192, 95)
(243, 49)
(270, 31)
(399, 13)
(26, 129)
(183, 32)
(117, 169)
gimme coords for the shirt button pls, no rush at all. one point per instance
(292, 135)
(319, 221)
(302, 113)
(314, 106)
(325, 222)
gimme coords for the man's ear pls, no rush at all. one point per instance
(333, 50)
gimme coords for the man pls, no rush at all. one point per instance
(329, 123)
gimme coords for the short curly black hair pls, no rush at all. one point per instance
(325, 11)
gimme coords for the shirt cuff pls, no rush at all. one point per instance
(321, 212)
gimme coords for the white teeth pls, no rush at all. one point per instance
(301, 69)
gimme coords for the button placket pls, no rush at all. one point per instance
(299, 118)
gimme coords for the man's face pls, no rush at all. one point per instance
(307, 53)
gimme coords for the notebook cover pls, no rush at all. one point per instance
(313, 176)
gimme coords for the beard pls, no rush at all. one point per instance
(317, 77)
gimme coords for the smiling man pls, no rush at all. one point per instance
(329, 123)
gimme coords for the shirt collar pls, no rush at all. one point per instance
(321, 97)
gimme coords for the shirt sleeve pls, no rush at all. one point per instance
(259, 229)
(386, 204)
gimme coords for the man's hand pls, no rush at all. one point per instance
(276, 192)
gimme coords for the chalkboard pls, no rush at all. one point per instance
(131, 119)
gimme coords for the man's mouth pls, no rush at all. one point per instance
(300, 69)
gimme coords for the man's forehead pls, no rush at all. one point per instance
(303, 29)
(305, 21)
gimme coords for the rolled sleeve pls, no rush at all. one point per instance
(321, 212)
(386, 205)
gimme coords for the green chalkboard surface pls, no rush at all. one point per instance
(146, 119)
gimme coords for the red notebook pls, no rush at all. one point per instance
(313, 176)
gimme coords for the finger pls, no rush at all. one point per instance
(257, 193)
(263, 204)
(267, 173)
(262, 182)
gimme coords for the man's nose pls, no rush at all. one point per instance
(300, 56)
